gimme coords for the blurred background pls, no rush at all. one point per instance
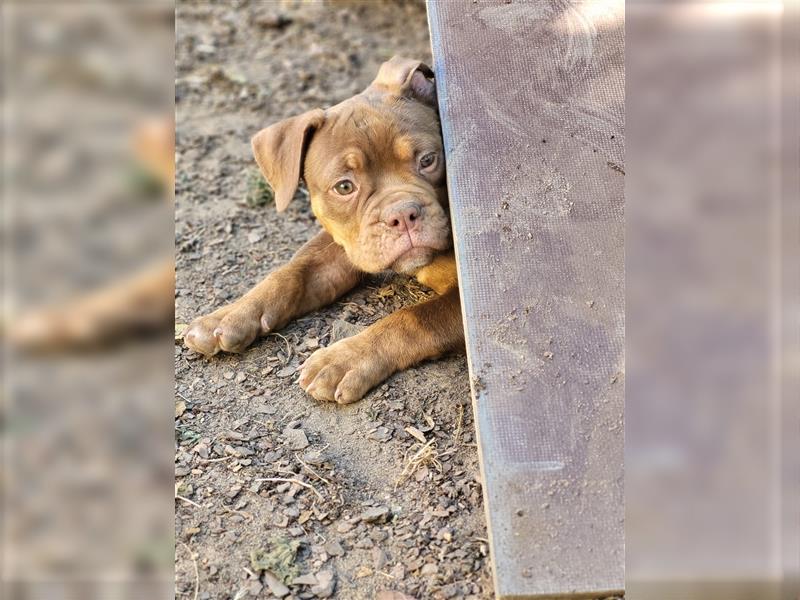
(712, 457)
(711, 447)
(87, 478)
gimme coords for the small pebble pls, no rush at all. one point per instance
(334, 548)
(326, 584)
(275, 585)
(296, 439)
(307, 579)
(379, 514)
(429, 569)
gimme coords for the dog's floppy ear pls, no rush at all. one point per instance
(408, 78)
(279, 150)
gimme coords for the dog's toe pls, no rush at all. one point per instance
(340, 373)
(325, 383)
(352, 387)
(231, 328)
(234, 339)
(200, 338)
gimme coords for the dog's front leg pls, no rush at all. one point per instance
(318, 273)
(348, 369)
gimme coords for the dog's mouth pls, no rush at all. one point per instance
(413, 259)
(378, 248)
(413, 252)
(416, 249)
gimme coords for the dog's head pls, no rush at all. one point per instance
(374, 169)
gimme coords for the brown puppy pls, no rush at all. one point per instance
(375, 173)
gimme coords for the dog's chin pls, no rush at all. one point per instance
(412, 260)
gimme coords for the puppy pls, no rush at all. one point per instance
(375, 172)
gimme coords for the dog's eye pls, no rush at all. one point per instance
(345, 187)
(427, 160)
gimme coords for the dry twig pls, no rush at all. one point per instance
(288, 346)
(196, 570)
(459, 423)
(184, 499)
(312, 471)
(425, 454)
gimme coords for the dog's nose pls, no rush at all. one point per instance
(402, 217)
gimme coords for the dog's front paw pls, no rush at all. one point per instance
(342, 372)
(231, 328)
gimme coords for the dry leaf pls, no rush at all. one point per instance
(417, 434)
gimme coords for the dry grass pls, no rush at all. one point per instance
(459, 425)
(418, 456)
(193, 558)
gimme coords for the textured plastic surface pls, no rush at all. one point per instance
(532, 102)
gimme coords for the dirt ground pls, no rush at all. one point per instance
(383, 495)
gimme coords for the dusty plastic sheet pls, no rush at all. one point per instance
(532, 104)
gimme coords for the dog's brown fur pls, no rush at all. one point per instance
(386, 144)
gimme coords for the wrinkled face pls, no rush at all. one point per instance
(376, 176)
